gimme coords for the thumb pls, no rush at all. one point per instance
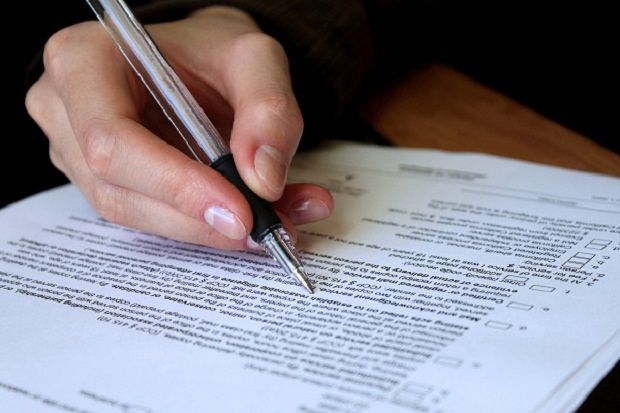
(267, 122)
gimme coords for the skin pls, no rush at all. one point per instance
(111, 141)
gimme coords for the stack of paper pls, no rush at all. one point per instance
(445, 283)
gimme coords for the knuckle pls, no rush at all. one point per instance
(34, 102)
(55, 159)
(258, 42)
(42, 109)
(56, 49)
(99, 144)
(275, 100)
(64, 43)
(283, 107)
(295, 120)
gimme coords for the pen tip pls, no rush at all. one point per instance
(304, 280)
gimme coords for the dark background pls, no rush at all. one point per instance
(555, 57)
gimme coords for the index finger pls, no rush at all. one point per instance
(103, 100)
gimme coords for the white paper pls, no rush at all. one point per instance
(446, 283)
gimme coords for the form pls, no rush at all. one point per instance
(445, 283)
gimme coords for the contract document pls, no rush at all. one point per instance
(445, 283)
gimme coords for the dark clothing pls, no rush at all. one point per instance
(555, 58)
(328, 46)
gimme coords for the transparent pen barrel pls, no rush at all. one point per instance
(178, 105)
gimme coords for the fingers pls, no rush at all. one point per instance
(45, 107)
(119, 151)
(123, 153)
(250, 71)
(114, 203)
(267, 124)
(88, 103)
(305, 203)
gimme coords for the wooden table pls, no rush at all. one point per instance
(438, 107)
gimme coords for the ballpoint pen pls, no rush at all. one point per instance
(202, 138)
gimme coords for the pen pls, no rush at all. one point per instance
(202, 138)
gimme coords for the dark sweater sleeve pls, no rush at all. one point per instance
(328, 44)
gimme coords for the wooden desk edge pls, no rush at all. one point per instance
(440, 108)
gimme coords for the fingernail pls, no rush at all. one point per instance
(270, 166)
(253, 245)
(308, 210)
(225, 222)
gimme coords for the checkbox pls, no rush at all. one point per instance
(598, 244)
(448, 361)
(498, 325)
(519, 306)
(542, 288)
(411, 394)
(516, 279)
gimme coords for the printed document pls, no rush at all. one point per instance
(445, 283)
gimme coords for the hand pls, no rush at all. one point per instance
(112, 142)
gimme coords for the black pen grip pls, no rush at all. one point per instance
(264, 216)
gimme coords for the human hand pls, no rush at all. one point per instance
(110, 139)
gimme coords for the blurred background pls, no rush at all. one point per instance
(555, 57)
